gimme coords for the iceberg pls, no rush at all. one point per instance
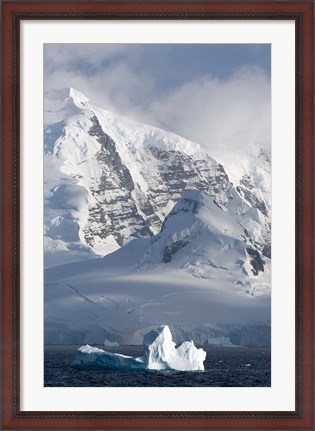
(219, 342)
(160, 353)
(109, 343)
(89, 357)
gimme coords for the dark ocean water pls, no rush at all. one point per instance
(224, 367)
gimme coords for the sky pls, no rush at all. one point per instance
(214, 94)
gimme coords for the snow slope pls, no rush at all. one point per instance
(109, 179)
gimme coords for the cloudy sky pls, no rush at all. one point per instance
(216, 95)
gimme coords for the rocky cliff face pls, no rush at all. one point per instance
(109, 179)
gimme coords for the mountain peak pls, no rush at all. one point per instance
(194, 195)
(192, 201)
(66, 95)
(63, 102)
(196, 208)
(78, 98)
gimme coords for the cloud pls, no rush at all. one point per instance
(76, 56)
(108, 74)
(228, 115)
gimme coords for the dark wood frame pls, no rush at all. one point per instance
(303, 14)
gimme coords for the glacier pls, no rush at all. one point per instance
(160, 353)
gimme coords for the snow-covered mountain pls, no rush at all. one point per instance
(198, 236)
(183, 245)
(109, 179)
(201, 270)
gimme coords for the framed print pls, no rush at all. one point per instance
(157, 226)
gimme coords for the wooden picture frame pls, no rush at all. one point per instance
(12, 15)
